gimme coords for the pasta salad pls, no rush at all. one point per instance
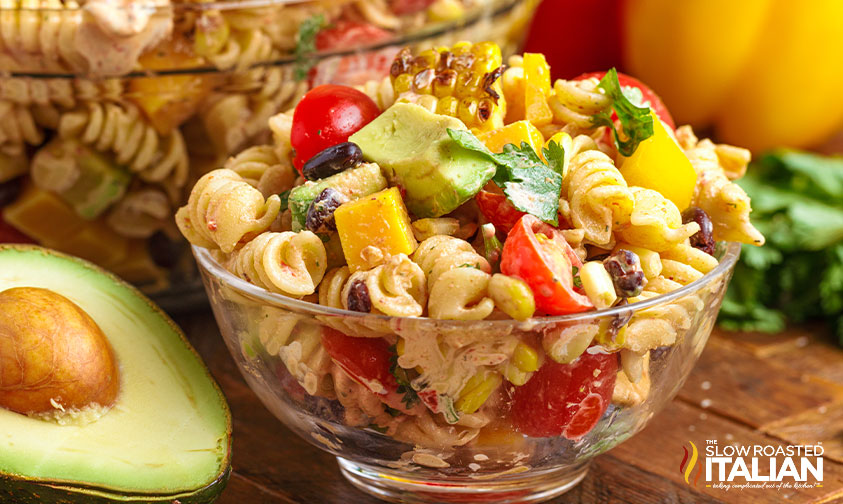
(462, 188)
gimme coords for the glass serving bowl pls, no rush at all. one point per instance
(276, 342)
(110, 111)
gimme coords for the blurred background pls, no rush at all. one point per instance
(760, 74)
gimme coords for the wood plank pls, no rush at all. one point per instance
(736, 384)
(658, 450)
(825, 425)
(766, 344)
(612, 481)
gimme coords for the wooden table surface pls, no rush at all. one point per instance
(746, 389)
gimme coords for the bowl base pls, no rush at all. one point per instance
(530, 487)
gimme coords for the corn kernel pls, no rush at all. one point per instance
(402, 83)
(445, 10)
(477, 391)
(379, 220)
(514, 375)
(525, 357)
(512, 296)
(598, 284)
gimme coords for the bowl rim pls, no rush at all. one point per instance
(207, 264)
(431, 30)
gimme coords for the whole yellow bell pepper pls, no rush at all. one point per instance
(763, 72)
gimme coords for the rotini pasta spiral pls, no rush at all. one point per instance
(287, 263)
(599, 198)
(655, 222)
(18, 128)
(260, 167)
(575, 102)
(298, 344)
(396, 288)
(381, 92)
(726, 203)
(122, 130)
(140, 213)
(42, 33)
(457, 279)
(223, 209)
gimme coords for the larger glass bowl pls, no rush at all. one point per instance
(276, 342)
(110, 111)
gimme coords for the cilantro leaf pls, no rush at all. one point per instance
(798, 274)
(410, 398)
(637, 122)
(528, 183)
(306, 45)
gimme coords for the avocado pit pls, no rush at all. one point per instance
(53, 356)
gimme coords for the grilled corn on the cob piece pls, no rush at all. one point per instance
(462, 81)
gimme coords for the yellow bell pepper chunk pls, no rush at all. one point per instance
(537, 71)
(515, 133)
(536, 89)
(374, 225)
(660, 164)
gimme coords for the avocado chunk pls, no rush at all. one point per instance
(82, 177)
(413, 148)
(355, 183)
(167, 436)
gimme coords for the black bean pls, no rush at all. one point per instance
(358, 297)
(164, 251)
(624, 267)
(320, 214)
(332, 160)
(9, 191)
(704, 238)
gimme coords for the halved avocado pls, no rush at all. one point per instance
(167, 437)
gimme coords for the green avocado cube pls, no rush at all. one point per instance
(355, 183)
(413, 148)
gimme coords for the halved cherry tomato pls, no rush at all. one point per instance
(498, 210)
(403, 7)
(565, 399)
(649, 96)
(367, 361)
(326, 116)
(538, 254)
(350, 34)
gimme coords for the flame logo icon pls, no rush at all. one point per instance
(689, 468)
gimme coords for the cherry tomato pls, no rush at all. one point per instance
(565, 399)
(538, 254)
(577, 48)
(367, 361)
(350, 34)
(649, 96)
(404, 7)
(326, 116)
(498, 210)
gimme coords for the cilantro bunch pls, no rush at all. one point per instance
(797, 201)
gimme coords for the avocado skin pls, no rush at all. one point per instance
(18, 489)
(33, 492)
(414, 150)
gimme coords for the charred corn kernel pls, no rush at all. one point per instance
(515, 133)
(514, 375)
(477, 390)
(212, 32)
(598, 284)
(512, 296)
(525, 357)
(445, 10)
(380, 221)
(399, 346)
(448, 106)
(464, 77)
(651, 261)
